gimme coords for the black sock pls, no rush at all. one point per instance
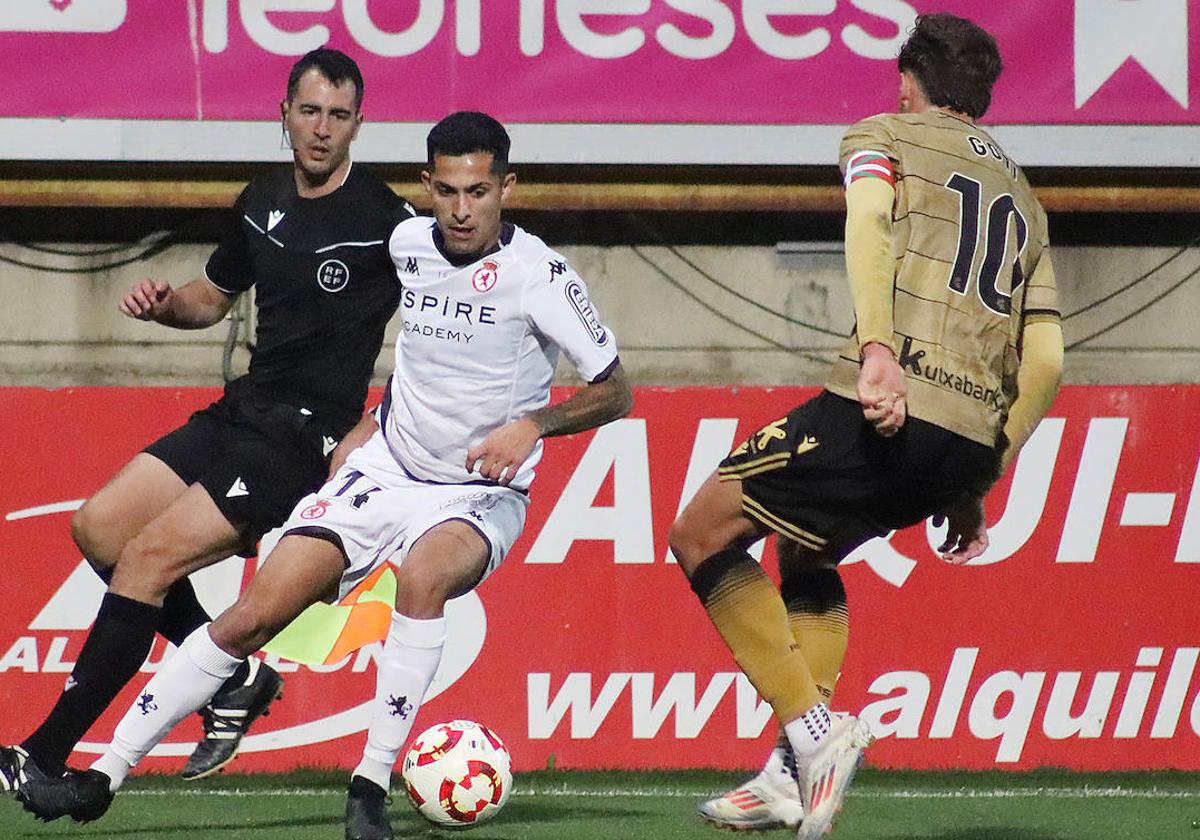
(239, 676)
(181, 612)
(182, 615)
(115, 648)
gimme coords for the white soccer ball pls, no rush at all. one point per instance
(458, 774)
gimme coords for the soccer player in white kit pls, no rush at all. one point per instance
(436, 479)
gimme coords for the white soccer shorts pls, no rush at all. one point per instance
(377, 511)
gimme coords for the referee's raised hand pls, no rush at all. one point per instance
(147, 301)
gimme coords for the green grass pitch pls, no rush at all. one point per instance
(565, 805)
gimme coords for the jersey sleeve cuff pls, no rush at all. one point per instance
(607, 372)
(218, 286)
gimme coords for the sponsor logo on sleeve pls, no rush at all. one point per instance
(578, 298)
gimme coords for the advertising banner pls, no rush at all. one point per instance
(735, 62)
(1074, 642)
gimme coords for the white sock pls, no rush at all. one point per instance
(781, 763)
(807, 732)
(184, 683)
(114, 767)
(406, 667)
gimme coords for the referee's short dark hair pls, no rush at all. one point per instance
(464, 132)
(334, 65)
(955, 62)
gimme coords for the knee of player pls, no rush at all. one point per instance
(421, 592)
(798, 559)
(87, 531)
(686, 545)
(146, 566)
(243, 629)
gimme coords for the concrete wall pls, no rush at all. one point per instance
(674, 323)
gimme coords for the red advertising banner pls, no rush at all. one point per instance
(1073, 642)
(754, 62)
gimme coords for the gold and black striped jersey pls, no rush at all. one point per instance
(972, 267)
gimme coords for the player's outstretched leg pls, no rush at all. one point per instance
(185, 682)
(228, 716)
(748, 611)
(769, 800)
(826, 772)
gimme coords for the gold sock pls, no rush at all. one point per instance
(820, 623)
(749, 613)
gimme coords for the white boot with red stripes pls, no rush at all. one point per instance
(769, 800)
(828, 751)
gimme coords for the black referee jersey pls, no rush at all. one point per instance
(325, 285)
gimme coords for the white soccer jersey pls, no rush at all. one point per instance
(479, 346)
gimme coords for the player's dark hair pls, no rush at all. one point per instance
(334, 65)
(464, 132)
(955, 62)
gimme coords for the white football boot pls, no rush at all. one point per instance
(769, 800)
(825, 774)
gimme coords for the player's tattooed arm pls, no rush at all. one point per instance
(196, 305)
(500, 454)
(597, 404)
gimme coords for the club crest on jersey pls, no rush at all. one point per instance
(577, 295)
(315, 511)
(485, 276)
(333, 275)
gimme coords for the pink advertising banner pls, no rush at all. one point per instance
(752, 62)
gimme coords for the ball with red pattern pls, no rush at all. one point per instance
(457, 774)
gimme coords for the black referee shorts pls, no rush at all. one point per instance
(256, 457)
(822, 476)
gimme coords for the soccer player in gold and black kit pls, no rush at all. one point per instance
(955, 356)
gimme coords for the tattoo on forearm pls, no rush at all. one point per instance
(593, 406)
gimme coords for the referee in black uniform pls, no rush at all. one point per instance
(312, 238)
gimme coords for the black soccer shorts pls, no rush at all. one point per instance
(823, 477)
(256, 457)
